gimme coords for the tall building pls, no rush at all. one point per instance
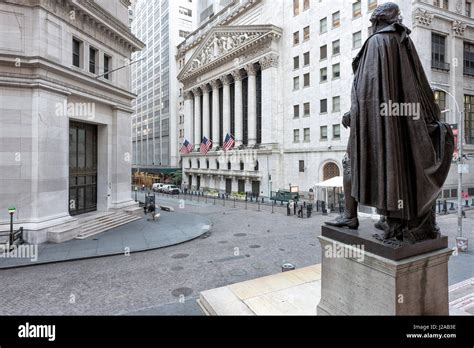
(277, 76)
(65, 106)
(162, 25)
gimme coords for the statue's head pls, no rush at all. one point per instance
(386, 14)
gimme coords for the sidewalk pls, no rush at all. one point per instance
(141, 235)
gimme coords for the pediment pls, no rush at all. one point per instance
(225, 43)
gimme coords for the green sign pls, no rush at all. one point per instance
(12, 210)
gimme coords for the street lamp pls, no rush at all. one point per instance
(461, 242)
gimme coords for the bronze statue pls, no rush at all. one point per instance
(399, 153)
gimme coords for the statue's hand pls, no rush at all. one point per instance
(346, 119)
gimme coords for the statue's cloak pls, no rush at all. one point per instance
(398, 163)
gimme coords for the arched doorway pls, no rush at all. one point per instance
(330, 170)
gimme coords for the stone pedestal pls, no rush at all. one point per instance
(362, 275)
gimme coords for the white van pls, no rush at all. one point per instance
(157, 187)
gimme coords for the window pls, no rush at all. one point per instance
(296, 135)
(229, 165)
(356, 9)
(324, 132)
(76, 52)
(92, 59)
(323, 25)
(438, 52)
(296, 83)
(296, 7)
(185, 11)
(305, 5)
(106, 66)
(183, 33)
(336, 131)
(296, 38)
(198, 164)
(468, 9)
(440, 98)
(357, 39)
(306, 33)
(469, 118)
(306, 58)
(217, 164)
(441, 3)
(323, 106)
(301, 166)
(242, 166)
(336, 104)
(336, 47)
(324, 75)
(306, 135)
(323, 52)
(468, 59)
(306, 80)
(306, 110)
(336, 71)
(207, 164)
(372, 4)
(336, 19)
(296, 111)
(296, 62)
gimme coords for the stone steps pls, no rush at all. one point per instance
(105, 223)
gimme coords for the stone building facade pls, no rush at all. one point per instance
(277, 76)
(65, 128)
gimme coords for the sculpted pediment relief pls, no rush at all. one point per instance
(225, 43)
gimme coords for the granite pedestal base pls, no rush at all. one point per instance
(362, 275)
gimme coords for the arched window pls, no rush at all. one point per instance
(229, 165)
(242, 166)
(217, 164)
(199, 164)
(207, 164)
(330, 170)
(256, 165)
(190, 164)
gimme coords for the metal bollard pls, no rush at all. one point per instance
(288, 210)
(452, 206)
(258, 205)
(273, 202)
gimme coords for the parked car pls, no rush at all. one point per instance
(157, 187)
(171, 189)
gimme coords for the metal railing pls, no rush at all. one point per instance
(436, 64)
(14, 238)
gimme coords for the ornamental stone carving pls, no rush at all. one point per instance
(251, 69)
(225, 80)
(269, 61)
(215, 84)
(237, 75)
(205, 88)
(218, 45)
(197, 91)
(188, 95)
(459, 28)
(423, 17)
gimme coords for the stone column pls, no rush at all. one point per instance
(226, 106)
(252, 104)
(206, 121)
(188, 116)
(197, 117)
(215, 111)
(239, 134)
(270, 90)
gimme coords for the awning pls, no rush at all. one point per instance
(333, 182)
(157, 170)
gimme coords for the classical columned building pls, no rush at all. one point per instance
(223, 95)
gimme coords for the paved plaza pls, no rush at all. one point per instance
(242, 244)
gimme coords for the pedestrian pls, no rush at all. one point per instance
(151, 210)
(300, 211)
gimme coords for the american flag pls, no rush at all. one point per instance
(228, 142)
(206, 145)
(186, 148)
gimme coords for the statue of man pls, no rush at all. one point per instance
(396, 161)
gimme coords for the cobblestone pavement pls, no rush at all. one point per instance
(243, 244)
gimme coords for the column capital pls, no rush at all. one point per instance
(269, 61)
(251, 69)
(237, 75)
(205, 88)
(215, 84)
(197, 91)
(188, 95)
(225, 79)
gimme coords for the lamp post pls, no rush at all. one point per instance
(461, 242)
